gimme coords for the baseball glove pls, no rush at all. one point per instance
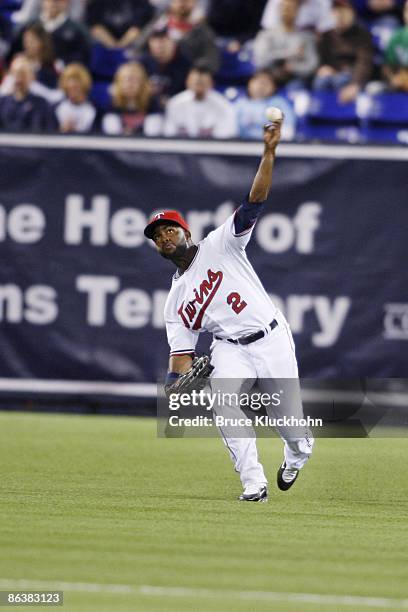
(193, 380)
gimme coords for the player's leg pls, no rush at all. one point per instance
(232, 373)
(277, 370)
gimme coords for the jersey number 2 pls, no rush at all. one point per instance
(234, 300)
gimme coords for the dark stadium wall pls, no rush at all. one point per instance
(82, 291)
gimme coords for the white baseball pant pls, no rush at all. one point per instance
(236, 369)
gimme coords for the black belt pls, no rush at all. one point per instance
(252, 337)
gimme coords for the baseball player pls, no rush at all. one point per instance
(215, 289)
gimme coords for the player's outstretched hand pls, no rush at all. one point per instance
(272, 134)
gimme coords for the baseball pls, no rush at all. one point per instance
(273, 113)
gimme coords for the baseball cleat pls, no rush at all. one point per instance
(286, 477)
(254, 493)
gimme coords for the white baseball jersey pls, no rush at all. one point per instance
(212, 116)
(219, 293)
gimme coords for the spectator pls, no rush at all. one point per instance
(346, 55)
(199, 11)
(396, 57)
(117, 24)
(380, 11)
(159, 4)
(396, 54)
(185, 24)
(382, 18)
(30, 11)
(75, 113)
(199, 111)
(183, 15)
(238, 20)
(313, 14)
(398, 80)
(22, 111)
(38, 49)
(250, 110)
(134, 109)
(36, 88)
(290, 53)
(4, 43)
(166, 66)
(70, 38)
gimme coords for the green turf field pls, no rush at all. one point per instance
(100, 501)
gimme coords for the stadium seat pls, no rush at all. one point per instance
(236, 68)
(325, 106)
(384, 116)
(388, 107)
(105, 62)
(100, 95)
(10, 5)
(6, 15)
(386, 134)
(325, 118)
(332, 133)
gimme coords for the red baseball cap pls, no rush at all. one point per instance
(161, 217)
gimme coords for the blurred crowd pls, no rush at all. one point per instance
(191, 68)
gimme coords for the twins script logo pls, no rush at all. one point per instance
(203, 298)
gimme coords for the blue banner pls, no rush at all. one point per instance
(82, 291)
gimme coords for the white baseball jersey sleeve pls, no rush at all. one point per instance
(220, 293)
